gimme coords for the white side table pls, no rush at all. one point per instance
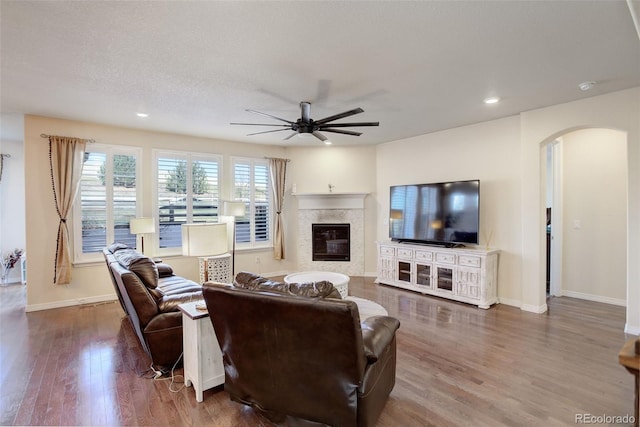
(215, 268)
(202, 356)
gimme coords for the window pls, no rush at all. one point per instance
(187, 191)
(107, 200)
(251, 185)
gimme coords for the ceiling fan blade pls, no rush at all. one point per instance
(269, 115)
(320, 136)
(266, 131)
(259, 124)
(346, 125)
(346, 132)
(291, 136)
(305, 111)
(340, 116)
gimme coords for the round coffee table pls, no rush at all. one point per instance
(340, 281)
(368, 308)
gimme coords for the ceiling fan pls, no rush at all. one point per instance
(305, 124)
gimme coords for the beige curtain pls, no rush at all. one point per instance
(66, 157)
(278, 172)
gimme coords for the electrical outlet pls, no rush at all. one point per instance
(257, 260)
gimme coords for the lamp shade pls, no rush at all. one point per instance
(142, 225)
(234, 209)
(204, 239)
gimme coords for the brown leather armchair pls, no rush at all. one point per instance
(303, 357)
(149, 293)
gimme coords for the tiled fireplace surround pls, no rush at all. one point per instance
(331, 208)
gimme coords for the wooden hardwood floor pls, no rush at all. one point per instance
(457, 365)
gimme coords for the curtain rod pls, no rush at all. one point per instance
(44, 135)
(5, 156)
(276, 158)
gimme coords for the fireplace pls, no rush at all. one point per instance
(331, 242)
(332, 208)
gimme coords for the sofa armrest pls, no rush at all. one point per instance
(169, 303)
(377, 334)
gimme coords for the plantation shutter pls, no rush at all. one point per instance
(93, 202)
(188, 192)
(261, 201)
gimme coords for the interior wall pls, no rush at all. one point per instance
(12, 202)
(506, 155)
(349, 169)
(618, 110)
(594, 256)
(91, 282)
(488, 151)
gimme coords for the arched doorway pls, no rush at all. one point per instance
(586, 209)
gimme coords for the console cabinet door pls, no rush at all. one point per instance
(445, 278)
(386, 264)
(469, 282)
(404, 271)
(424, 275)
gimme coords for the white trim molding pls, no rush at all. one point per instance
(596, 298)
(330, 200)
(538, 309)
(72, 302)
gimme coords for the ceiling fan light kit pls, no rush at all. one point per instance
(306, 125)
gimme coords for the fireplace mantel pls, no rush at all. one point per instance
(330, 200)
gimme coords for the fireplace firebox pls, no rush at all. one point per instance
(331, 242)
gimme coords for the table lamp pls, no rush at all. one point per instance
(208, 242)
(141, 226)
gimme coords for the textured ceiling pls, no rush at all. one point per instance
(417, 67)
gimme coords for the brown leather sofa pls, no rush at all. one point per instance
(297, 354)
(149, 293)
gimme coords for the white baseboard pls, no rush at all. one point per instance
(71, 302)
(511, 302)
(596, 298)
(631, 330)
(543, 308)
(538, 309)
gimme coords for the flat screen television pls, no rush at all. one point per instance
(445, 213)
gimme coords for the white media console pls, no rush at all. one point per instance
(463, 274)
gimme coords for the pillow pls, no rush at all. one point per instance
(116, 247)
(244, 279)
(164, 270)
(139, 264)
(321, 289)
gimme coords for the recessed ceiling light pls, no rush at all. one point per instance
(142, 115)
(492, 100)
(327, 142)
(584, 86)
